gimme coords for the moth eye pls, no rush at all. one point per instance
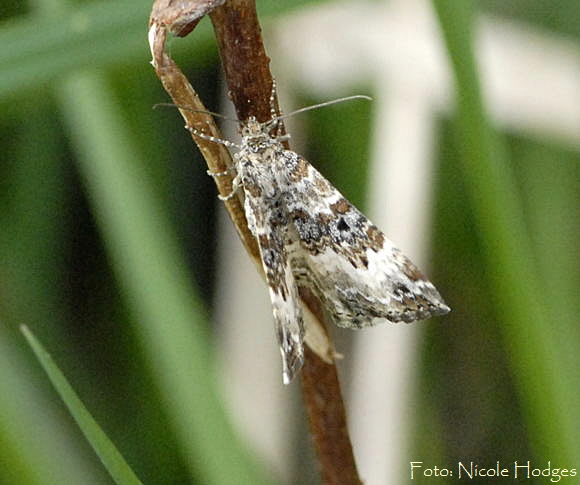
(342, 225)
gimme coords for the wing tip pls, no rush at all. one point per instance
(434, 308)
(441, 309)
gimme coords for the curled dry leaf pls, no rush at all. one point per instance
(180, 16)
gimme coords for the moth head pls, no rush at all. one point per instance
(253, 130)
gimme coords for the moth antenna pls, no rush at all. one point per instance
(171, 105)
(322, 105)
(273, 111)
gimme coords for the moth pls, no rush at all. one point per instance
(310, 235)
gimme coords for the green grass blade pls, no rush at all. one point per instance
(545, 382)
(37, 448)
(103, 446)
(155, 282)
(39, 49)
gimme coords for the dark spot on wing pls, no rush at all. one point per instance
(342, 225)
(273, 258)
(299, 215)
(401, 291)
(364, 260)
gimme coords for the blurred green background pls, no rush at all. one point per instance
(107, 252)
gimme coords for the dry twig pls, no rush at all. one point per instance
(247, 73)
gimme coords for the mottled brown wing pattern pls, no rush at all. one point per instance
(309, 235)
(346, 260)
(269, 225)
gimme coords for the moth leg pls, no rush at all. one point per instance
(236, 182)
(283, 290)
(219, 174)
(282, 138)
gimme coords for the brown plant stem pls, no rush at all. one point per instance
(246, 68)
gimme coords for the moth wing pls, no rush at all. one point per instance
(359, 274)
(288, 321)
